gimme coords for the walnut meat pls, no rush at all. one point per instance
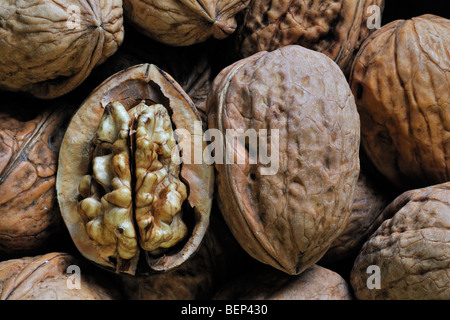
(29, 213)
(51, 277)
(48, 47)
(336, 28)
(130, 203)
(401, 80)
(286, 210)
(411, 250)
(315, 283)
(183, 23)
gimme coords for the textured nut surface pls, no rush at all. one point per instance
(29, 214)
(315, 283)
(412, 249)
(123, 198)
(287, 219)
(185, 22)
(46, 277)
(49, 47)
(401, 80)
(335, 28)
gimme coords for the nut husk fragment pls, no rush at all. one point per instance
(50, 277)
(411, 249)
(29, 145)
(131, 90)
(183, 23)
(401, 80)
(49, 47)
(288, 212)
(315, 283)
(335, 28)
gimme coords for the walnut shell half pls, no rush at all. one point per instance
(121, 194)
(285, 210)
(49, 47)
(185, 22)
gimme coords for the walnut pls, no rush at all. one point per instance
(183, 23)
(29, 143)
(129, 204)
(335, 28)
(51, 277)
(400, 79)
(411, 250)
(48, 47)
(315, 283)
(285, 210)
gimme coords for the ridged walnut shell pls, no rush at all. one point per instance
(49, 47)
(401, 82)
(335, 28)
(288, 216)
(411, 250)
(29, 145)
(52, 277)
(185, 22)
(130, 87)
(315, 283)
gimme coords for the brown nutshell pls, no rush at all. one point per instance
(411, 249)
(401, 80)
(48, 47)
(287, 211)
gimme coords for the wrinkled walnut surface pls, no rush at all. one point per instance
(288, 219)
(99, 210)
(43, 55)
(335, 28)
(29, 214)
(315, 283)
(185, 22)
(401, 82)
(412, 249)
(46, 277)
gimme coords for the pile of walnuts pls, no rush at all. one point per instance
(243, 149)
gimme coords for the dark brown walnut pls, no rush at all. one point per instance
(130, 203)
(185, 22)
(287, 208)
(411, 250)
(401, 80)
(335, 28)
(29, 145)
(48, 47)
(369, 201)
(53, 276)
(315, 283)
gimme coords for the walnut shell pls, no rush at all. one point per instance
(29, 145)
(129, 88)
(48, 47)
(183, 23)
(47, 277)
(335, 28)
(315, 283)
(401, 80)
(411, 250)
(288, 212)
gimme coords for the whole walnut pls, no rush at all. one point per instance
(185, 22)
(334, 27)
(401, 82)
(30, 137)
(49, 47)
(315, 283)
(408, 256)
(131, 202)
(295, 104)
(53, 276)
